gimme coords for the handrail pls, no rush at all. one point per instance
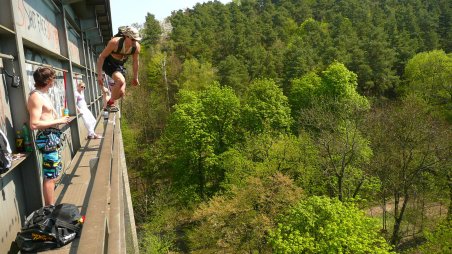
(107, 222)
(95, 233)
(116, 243)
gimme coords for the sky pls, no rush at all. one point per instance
(134, 11)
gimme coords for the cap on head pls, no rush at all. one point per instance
(132, 32)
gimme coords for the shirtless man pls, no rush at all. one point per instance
(43, 117)
(112, 60)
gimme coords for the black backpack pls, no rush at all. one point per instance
(5, 154)
(50, 227)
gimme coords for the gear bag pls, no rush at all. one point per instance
(5, 154)
(50, 227)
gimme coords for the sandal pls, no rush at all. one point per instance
(94, 136)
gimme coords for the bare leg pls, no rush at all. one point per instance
(105, 96)
(48, 189)
(118, 90)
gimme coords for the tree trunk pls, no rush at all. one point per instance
(398, 220)
(339, 187)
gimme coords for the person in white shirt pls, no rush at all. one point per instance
(82, 108)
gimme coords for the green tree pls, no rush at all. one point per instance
(267, 154)
(439, 240)
(238, 222)
(151, 31)
(196, 76)
(200, 128)
(429, 74)
(324, 225)
(233, 73)
(332, 112)
(307, 50)
(406, 144)
(265, 108)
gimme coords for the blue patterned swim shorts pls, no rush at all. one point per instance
(51, 164)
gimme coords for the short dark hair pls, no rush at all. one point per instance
(41, 75)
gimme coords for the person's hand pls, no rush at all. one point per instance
(135, 82)
(100, 81)
(64, 120)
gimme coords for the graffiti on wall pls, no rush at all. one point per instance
(57, 93)
(37, 27)
(75, 52)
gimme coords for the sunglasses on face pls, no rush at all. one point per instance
(82, 87)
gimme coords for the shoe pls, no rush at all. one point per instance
(112, 108)
(94, 136)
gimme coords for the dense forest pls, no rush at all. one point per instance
(294, 126)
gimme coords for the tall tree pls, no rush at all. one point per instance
(332, 112)
(151, 31)
(405, 143)
(200, 128)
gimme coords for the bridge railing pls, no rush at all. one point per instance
(109, 226)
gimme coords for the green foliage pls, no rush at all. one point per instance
(429, 74)
(151, 31)
(331, 111)
(303, 92)
(242, 148)
(307, 49)
(200, 128)
(374, 39)
(439, 240)
(240, 220)
(196, 76)
(155, 244)
(407, 144)
(233, 73)
(267, 154)
(265, 108)
(323, 225)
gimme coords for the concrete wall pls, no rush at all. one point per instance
(32, 34)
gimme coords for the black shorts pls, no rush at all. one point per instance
(112, 65)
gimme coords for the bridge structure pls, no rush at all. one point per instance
(67, 35)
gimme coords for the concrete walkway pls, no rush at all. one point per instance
(76, 184)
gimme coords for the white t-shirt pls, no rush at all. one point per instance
(80, 98)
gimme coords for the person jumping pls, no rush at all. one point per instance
(112, 59)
